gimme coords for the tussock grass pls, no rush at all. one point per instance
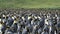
(29, 3)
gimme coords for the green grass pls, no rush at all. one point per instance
(29, 3)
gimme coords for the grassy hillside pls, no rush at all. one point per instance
(29, 3)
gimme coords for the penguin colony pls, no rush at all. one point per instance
(29, 23)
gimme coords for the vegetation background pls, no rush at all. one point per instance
(29, 3)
